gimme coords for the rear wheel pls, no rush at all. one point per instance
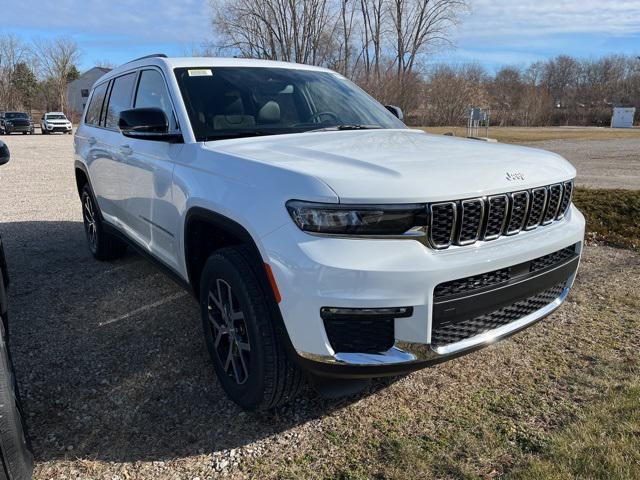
(247, 352)
(103, 245)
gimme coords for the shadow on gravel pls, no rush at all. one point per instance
(111, 361)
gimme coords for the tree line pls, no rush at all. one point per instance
(34, 75)
(385, 46)
(559, 91)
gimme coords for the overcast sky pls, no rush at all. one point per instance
(495, 32)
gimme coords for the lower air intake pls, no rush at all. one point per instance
(446, 334)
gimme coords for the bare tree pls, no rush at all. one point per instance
(13, 53)
(420, 25)
(57, 60)
(289, 30)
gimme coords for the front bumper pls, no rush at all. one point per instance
(58, 128)
(18, 128)
(313, 272)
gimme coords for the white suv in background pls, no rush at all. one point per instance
(52, 122)
(320, 235)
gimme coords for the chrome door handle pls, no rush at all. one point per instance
(126, 150)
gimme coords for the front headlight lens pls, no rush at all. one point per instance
(356, 219)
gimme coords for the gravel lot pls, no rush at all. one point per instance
(600, 163)
(117, 383)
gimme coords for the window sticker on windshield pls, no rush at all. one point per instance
(201, 72)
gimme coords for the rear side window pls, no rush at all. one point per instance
(93, 112)
(152, 92)
(120, 99)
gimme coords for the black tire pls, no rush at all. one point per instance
(16, 456)
(270, 378)
(103, 245)
(44, 131)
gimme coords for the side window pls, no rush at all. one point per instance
(120, 99)
(152, 92)
(93, 112)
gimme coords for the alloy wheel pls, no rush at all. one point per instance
(90, 222)
(230, 336)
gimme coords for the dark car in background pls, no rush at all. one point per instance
(18, 122)
(16, 457)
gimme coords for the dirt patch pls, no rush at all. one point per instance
(601, 163)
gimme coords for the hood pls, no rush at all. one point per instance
(57, 121)
(398, 166)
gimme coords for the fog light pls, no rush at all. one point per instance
(328, 313)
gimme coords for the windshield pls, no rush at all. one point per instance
(228, 102)
(55, 117)
(15, 115)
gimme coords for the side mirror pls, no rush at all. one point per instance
(397, 111)
(147, 124)
(4, 153)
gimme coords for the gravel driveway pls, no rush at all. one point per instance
(116, 379)
(600, 163)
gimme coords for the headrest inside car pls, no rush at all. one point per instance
(269, 113)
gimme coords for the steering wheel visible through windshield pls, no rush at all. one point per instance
(230, 102)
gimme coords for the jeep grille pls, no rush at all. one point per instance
(487, 218)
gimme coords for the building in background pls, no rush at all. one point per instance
(623, 117)
(78, 90)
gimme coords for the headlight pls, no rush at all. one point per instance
(339, 219)
(8, 122)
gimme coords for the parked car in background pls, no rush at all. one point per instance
(320, 235)
(16, 457)
(53, 122)
(16, 122)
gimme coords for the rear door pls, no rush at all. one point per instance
(96, 154)
(110, 170)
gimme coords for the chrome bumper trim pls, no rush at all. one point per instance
(405, 353)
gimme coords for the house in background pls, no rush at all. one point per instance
(78, 90)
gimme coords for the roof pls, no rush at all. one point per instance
(193, 62)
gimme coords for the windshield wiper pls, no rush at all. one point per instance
(353, 126)
(226, 136)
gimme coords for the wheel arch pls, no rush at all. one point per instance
(82, 177)
(206, 231)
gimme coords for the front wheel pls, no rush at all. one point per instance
(103, 245)
(247, 352)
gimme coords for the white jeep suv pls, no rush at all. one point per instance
(320, 235)
(52, 122)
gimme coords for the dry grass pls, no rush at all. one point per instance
(613, 216)
(537, 134)
(604, 443)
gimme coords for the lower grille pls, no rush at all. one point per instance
(552, 259)
(455, 332)
(357, 335)
(469, 285)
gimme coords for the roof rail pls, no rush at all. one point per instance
(153, 55)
